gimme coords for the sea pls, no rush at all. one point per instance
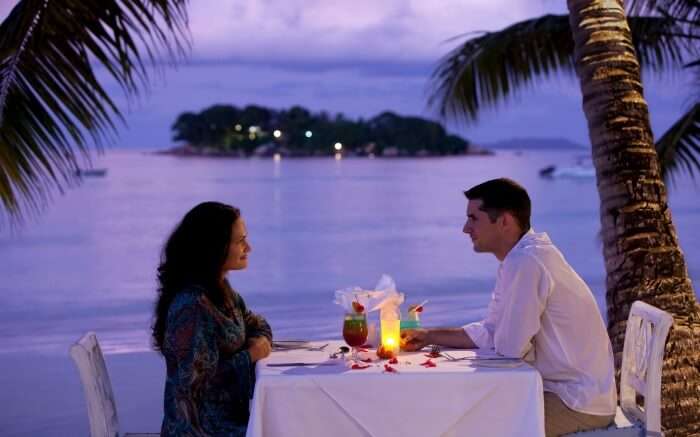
(88, 261)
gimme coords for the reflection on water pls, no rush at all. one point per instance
(315, 225)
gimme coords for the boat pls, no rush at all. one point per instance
(582, 169)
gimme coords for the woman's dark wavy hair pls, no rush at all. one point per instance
(195, 254)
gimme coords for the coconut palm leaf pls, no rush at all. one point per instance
(684, 10)
(53, 108)
(490, 68)
(679, 146)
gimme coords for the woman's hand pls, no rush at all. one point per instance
(259, 348)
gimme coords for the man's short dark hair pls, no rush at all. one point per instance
(501, 195)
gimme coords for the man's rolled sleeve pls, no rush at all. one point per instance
(480, 334)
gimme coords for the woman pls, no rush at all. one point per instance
(209, 339)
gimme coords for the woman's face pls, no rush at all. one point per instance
(238, 248)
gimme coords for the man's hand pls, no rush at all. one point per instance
(414, 339)
(259, 348)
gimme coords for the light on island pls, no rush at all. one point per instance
(277, 133)
(338, 147)
(308, 134)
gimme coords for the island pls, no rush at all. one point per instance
(256, 131)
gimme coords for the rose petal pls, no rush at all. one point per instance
(388, 368)
(428, 363)
(393, 361)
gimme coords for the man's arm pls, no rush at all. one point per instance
(415, 339)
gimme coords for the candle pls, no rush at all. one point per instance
(390, 335)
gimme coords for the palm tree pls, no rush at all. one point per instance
(642, 257)
(53, 108)
(493, 66)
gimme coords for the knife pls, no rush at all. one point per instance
(299, 364)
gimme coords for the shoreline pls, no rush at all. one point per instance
(281, 152)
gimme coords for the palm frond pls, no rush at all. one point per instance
(54, 109)
(679, 147)
(685, 10)
(488, 69)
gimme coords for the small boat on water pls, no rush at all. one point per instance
(581, 169)
(91, 172)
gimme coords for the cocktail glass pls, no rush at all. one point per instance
(355, 331)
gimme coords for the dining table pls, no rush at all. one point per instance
(313, 389)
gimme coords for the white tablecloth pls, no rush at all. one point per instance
(453, 399)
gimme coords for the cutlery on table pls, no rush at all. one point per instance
(299, 364)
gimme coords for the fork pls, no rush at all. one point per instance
(448, 356)
(317, 348)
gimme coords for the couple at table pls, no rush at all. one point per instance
(540, 311)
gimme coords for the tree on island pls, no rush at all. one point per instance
(242, 131)
(643, 259)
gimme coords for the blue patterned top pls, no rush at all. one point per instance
(210, 376)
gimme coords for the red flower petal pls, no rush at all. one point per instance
(393, 361)
(428, 363)
(359, 366)
(388, 368)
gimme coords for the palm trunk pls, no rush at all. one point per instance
(643, 260)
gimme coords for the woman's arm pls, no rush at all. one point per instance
(255, 325)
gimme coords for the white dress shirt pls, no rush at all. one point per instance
(543, 312)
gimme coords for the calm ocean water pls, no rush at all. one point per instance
(316, 225)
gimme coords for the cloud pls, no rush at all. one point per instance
(341, 31)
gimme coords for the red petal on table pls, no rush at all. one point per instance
(428, 363)
(393, 361)
(433, 355)
(359, 366)
(388, 368)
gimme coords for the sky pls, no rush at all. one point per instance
(356, 57)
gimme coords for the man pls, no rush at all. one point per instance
(540, 310)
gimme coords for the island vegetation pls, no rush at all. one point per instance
(226, 130)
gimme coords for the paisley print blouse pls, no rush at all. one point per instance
(210, 376)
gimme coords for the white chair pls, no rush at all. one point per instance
(102, 411)
(642, 360)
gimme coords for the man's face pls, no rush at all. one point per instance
(486, 236)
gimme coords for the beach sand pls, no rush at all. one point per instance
(49, 387)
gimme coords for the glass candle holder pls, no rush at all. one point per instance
(391, 334)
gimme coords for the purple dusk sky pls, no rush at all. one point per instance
(358, 57)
